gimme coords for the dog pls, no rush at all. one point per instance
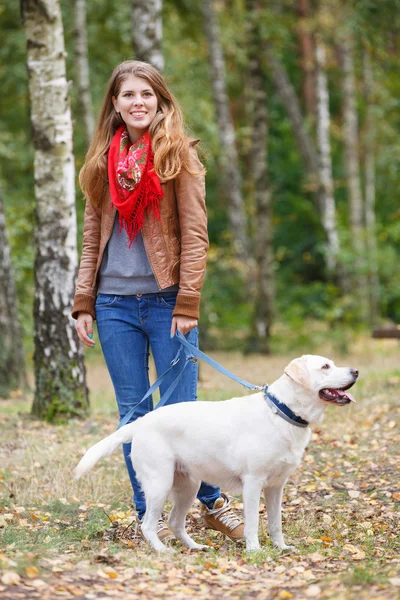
(250, 444)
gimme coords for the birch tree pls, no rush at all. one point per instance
(325, 158)
(318, 178)
(231, 177)
(369, 169)
(147, 31)
(12, 364)
(352, 163)
(307, 55)
(59, 369)
(82, 67)
(263, 233)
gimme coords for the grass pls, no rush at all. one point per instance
(343, 542)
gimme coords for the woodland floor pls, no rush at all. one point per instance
(65, 539)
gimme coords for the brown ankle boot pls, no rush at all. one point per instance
(223, 518)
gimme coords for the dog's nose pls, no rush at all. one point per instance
(354, 372)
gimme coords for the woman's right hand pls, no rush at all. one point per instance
(84, 328)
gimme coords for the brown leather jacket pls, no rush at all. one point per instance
(176, 245)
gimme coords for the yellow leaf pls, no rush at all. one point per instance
(326, 539)
(285, 594)
(31, 572)
(110, 573)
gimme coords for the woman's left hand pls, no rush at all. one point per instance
(184, 324)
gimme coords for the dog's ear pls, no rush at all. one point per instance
(299, 372)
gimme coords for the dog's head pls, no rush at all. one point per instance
(321, 375)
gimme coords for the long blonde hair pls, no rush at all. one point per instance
(169, 141)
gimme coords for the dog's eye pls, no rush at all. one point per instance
(326, 366)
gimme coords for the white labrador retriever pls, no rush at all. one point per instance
(249, 444)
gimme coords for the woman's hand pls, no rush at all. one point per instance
(184, 324)
(84, 328)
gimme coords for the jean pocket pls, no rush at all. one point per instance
(104, 300)
(168, 300)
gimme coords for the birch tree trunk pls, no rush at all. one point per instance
(351, 153)
(82, 67)
(147, 31)
(311, 156)
(231, 178)
(263, 234)
(325, 158)
(369, 168)
(12, 364)
(307, 55)
(60, 374)
(292, 106)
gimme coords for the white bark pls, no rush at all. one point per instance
(292, 106)
(369, 166)
(351, 153)
(147, 31)
(229, 158)
(12, 365)
(325, 159)
(263, 228)
(60, 374)
(82, 67)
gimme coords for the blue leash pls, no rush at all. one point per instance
(191, 355)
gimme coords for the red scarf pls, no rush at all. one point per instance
(134, 185)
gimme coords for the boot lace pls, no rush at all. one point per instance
(226, 515)
(161, 524)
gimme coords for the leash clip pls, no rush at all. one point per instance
(192, 358)
(175, 361)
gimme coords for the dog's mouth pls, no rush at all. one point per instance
(338, 396)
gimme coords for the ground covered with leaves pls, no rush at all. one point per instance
(63, 539)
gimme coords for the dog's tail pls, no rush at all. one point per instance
(103, 448)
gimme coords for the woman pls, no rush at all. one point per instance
(144, 252)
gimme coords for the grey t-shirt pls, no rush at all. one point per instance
(126, 271)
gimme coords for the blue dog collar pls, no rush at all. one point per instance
(282, 410)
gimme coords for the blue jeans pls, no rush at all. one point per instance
(128, 327)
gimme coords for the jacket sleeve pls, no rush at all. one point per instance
(190, 197)
(85, 294)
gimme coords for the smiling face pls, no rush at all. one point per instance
(137, 104)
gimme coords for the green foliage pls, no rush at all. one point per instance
(304, 291)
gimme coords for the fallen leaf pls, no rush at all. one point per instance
(353, 493)
(11, 578)
(31, 572)
(314, 591)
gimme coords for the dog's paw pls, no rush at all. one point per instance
(252, 548)
(198, 547)
(287, 548)
(166, 550)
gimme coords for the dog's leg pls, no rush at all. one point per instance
(251, 503)
(183, 494)
(156, 488)
(273, 501)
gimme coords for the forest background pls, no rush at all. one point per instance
(309, 300)
(300, 125)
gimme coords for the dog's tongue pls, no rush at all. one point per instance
(347, 394)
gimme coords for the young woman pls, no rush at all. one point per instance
(144, 252)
